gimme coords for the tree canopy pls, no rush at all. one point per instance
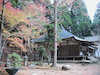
(22, 24)
(96, 22)
(25, 20)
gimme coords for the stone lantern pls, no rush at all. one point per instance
(25, 60)
(8, 62)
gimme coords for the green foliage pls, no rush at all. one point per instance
(65, 18)
(96, 21)
(80, 19)
(16, 60)
(75, 20)
(42, 52)
(50, 31)
(1, 63)
(50, 37)
(41, 49)
(17, 3)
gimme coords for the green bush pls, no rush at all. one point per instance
(15, 60)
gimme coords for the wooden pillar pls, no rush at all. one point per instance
(79, 48)
(93, 53)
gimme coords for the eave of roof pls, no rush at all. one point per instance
(92, 38)
(63, 34)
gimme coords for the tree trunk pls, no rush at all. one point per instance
(49, 58)
(0, 43)
(55, 34)
(1, 27)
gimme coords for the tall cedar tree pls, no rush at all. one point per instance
(80, 19)
(96, 21)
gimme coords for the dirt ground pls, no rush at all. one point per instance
(76, 69)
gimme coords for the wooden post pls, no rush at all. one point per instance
(79, 48)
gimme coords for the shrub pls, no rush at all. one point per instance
(15, 60)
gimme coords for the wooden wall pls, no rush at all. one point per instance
(68, 50)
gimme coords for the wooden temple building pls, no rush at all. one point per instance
(72, 47)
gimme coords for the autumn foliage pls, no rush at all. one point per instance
(26, 23)
(12, 15)
(16, 42)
